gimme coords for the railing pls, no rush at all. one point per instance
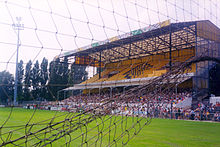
(189, 116)
(197, 115)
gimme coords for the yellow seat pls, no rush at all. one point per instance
(154, 65)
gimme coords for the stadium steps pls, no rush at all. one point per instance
(120, 75)
(117, 76)
(186, 103)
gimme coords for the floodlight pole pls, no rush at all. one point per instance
(18, 26)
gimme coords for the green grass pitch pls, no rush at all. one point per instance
(160, 132)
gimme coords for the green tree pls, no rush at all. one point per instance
(35, 79)
(53, 79)
(44, 78)
(27, 81)
(58, 76)
(77, 74)
(6, 87)
(63, 72)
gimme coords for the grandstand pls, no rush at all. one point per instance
(136, 57)
(141, 60)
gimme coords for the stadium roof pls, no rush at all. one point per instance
(154, 39)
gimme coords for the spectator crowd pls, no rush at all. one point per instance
(159, 105)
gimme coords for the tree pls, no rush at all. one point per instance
(44, 78)
(20, 95)
(53, 79)
(6, 87)
(58, 76)
(35, 79)
(27, 81)
(77, 74)
(64, 73)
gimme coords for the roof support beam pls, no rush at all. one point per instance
(145, 51)
(100, 60)
(118, 52)
(170, 49)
